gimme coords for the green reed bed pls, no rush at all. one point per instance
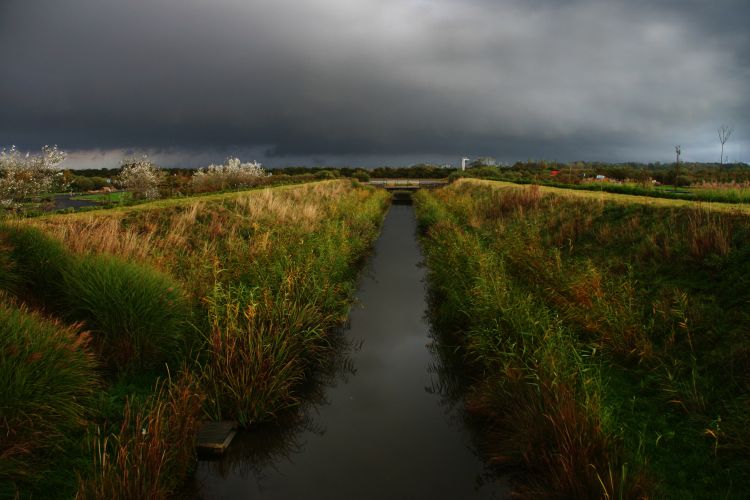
(729, 193)
(238, 293)
(607, 341)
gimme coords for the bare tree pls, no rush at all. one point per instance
(678, 152)
(725, 132)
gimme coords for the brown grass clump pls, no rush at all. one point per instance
(607, 309)
(560, 443)
(97, 234)
(708, 234)
(154, 449)
(519, 201)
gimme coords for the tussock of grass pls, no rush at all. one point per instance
(253, 364)
(137, 316)
(47, 381)
(38, 262)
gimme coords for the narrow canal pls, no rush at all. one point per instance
(381, 430)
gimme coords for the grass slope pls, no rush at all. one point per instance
(641, 199)
(252, 284)
(607, 337)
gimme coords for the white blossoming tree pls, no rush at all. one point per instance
(140, 177)
(25, 176)
(232, 174)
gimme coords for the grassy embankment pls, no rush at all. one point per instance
(706, 193)
(606, 335)
(123, 328)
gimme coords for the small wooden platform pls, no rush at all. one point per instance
(215, 437)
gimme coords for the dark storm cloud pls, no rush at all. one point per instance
(372, 80)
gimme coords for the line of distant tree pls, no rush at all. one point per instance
(420, 171)
(571, 172)
(95, 178)
(580, 171)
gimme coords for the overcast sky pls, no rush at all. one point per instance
(370, 82)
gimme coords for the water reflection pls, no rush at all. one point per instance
(449, 383)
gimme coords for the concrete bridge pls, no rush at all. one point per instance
(407, 184)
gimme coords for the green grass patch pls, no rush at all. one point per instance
(48, 380)
(37, 262)
(113, 198)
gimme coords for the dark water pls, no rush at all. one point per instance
(62, 201)
(381, 427)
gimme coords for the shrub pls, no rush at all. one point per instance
(136, 314)
(361, 176)
(26, 176)
(47, 377)
(454, 176)
(326, 174)
(140, 177)
(231, 175)
(81, 183)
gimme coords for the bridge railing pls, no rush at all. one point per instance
(407, 183)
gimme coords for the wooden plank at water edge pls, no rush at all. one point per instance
(215, 437)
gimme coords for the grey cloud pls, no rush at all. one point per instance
(375, 81)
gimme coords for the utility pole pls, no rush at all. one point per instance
(678, 151)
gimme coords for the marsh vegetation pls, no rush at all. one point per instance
(607, 338)
(129, 326)
(604, 335)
